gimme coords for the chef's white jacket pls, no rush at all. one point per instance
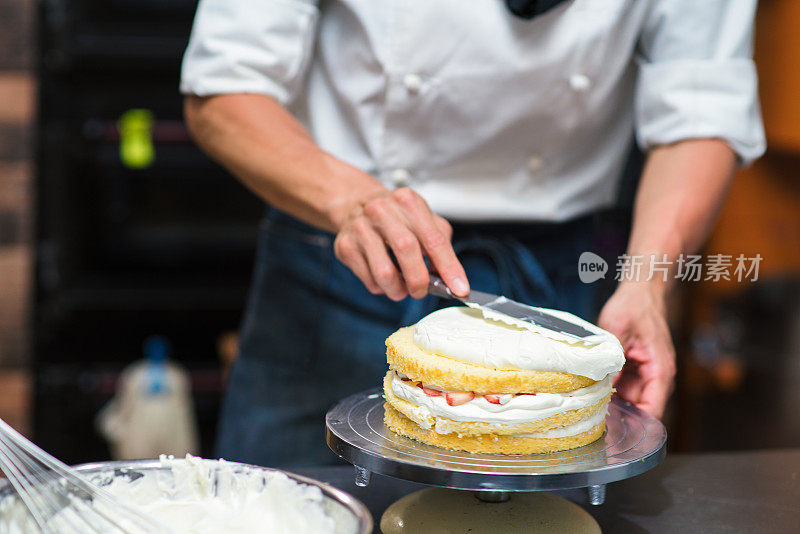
(486, 115)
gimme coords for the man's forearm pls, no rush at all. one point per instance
(268, 150)
(681, 192)
(255, 138)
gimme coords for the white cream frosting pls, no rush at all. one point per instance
(488, 338)
(519, 408)
(574, 429)
(202, 497)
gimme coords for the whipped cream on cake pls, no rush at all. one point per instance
(479, 381)
(487, 338)
(584, 425)
(513, 409)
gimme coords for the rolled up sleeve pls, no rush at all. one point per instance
(697, 78)
(249, 46)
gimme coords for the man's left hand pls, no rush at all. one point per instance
(636, 314)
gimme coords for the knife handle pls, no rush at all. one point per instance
(436, 286)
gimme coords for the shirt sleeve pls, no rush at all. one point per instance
(697, 78)
(250, 46)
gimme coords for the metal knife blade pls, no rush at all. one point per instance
(512, 308)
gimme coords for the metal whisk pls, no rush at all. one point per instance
(59, 499)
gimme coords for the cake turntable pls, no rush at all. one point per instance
(505, 491)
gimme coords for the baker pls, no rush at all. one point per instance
(484, 138)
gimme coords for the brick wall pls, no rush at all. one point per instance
(17, 111)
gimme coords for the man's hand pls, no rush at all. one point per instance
(635, 313)
(402, 221)
(270, 152)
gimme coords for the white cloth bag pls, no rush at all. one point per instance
(143, 421)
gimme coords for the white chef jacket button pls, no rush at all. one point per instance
(535, 163)
(413, 82)
(401, 177)
(580, 82)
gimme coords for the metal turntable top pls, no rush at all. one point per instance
(633, 443)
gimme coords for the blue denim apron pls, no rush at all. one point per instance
(312, 334)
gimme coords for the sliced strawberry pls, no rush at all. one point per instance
(457, 398)
(526, 393)
(494, 399)
(429, 391)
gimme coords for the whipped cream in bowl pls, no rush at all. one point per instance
(490, 339)
(197, 496)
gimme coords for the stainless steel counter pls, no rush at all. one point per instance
(756, 492)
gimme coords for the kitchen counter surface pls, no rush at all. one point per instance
(755, 491)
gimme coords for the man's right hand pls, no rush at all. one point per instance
(270, 152)
(399, 220)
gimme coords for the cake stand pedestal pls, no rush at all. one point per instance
(500, 487)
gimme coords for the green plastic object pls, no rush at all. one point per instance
(136, 149)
